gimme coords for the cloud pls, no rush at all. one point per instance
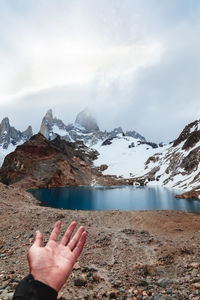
(50, 63)
(134, 62)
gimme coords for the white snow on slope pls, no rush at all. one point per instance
(181, 180)
(122, 160)
(130, 162)
(58, 131)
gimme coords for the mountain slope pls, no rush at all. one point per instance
(11, 137)
(124, 155)
(178, 166)
(43, 163)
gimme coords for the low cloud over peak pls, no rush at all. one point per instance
(136, 63)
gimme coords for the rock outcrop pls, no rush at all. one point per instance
(47, 123)
(43, 163)
(10, 135)
(188, 131)
(193, 194)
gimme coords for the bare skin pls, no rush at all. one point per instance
(53, 263)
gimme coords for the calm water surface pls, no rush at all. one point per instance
(113, 198)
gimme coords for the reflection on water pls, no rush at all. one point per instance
(112, 198)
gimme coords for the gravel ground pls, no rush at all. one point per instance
(128, 255)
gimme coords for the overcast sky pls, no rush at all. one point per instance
(134, 63)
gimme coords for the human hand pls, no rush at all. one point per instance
(53, 263)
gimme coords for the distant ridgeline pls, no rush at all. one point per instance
(123, 154)
(85, 128)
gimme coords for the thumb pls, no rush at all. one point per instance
(38, 239)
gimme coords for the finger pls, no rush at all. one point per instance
(64, 241)
(38, 239)
(78, 249)
(72, 244)
(55, 232)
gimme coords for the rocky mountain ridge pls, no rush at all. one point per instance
(178, 166)
(84, 129)
(9, 135)
(125, 154)
(43, 164)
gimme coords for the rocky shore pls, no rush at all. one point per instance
(128, 255)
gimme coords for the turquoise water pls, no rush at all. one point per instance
(113, 198)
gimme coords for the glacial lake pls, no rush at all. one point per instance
(115, 198)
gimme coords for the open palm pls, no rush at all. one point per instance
(53, 263)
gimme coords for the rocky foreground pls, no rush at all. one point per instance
(128, 255)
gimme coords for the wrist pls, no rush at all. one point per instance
(46, 280)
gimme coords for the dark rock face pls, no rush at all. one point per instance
(141, 142)
(9, 135)
(43, 163)
(191, 162)
(87, 121)
(107, 141)
(192, 140)
(187, 132)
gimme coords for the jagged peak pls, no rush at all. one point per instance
(28, 132)
(4, 126)
(28, 128)
(86, 120)
(49, 114)
(5, 120)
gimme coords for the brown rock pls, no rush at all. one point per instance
(191, 162)
(43, 163)
(103, 168)
(193, 194)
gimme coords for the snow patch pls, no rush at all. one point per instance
(122, 160)
(58, 131)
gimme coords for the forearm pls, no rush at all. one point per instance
(28, 288)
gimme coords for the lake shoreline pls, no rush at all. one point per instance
(127, 252)
(108, 198)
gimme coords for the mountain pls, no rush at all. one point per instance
(178, 166)
(119, 154)
(43, 164)
(124, 155)
(174, 165)
(86, 121)
(11, 136)
(85, 129)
